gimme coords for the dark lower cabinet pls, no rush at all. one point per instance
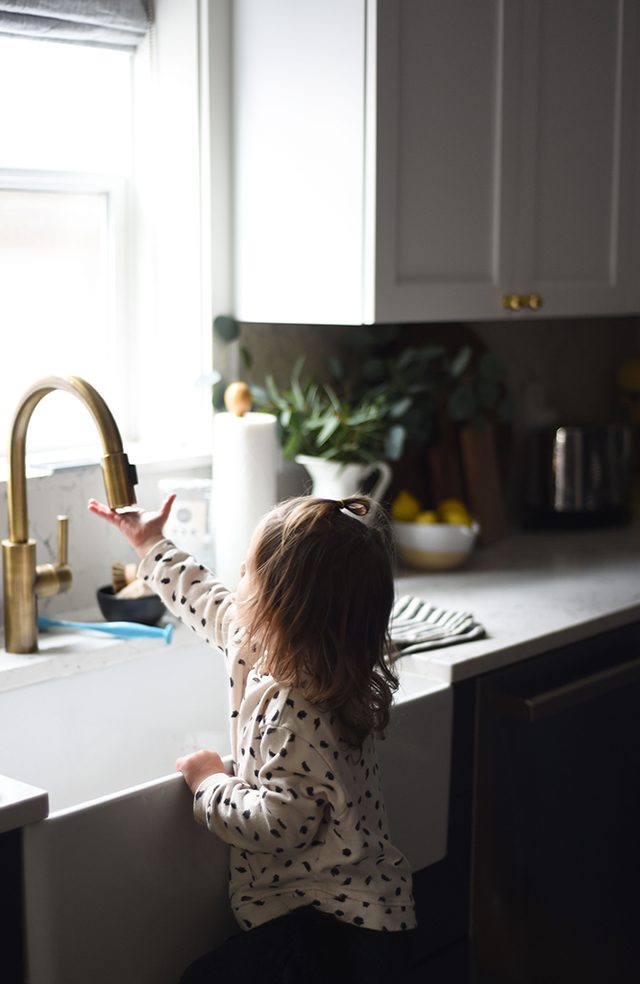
(556, 869)
(448, 966)
(11, 948)
(541, 882)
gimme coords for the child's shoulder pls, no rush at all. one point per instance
(286, 707)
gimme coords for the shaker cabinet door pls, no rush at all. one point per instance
(447, 111)
(574, 215)
(435, 160)
(505, 158)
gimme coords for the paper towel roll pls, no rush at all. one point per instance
(245, 462)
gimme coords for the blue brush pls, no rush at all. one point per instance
(123, 630)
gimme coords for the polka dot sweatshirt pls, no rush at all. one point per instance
(303, 814)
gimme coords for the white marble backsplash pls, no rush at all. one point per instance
(93, 545)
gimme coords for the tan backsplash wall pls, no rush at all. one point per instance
(573, 361)
(275, 348)
(567, 366)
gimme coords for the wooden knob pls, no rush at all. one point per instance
(237, 398)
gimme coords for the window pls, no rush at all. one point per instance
(101, 236)
(65, 167)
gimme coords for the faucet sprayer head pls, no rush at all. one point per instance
(119, 476)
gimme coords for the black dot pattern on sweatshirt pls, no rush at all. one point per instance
(302, 805)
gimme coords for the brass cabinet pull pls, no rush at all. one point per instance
(512, 302)
(533, 301)
(521, 302)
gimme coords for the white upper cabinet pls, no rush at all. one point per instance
(423, 160)
(447, 88)
(578, 117)
(298, 146)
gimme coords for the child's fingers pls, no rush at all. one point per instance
(165, 508)
(100, 509)
(198, 766)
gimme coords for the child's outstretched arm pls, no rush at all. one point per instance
(141, 527)
(188, 589)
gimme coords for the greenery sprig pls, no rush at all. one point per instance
(377, 400)
(315, 420)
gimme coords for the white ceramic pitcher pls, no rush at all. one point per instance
(337, 480)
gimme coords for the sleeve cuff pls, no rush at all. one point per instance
(200, 798)
(151, 558)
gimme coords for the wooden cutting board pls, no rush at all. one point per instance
(485, 495)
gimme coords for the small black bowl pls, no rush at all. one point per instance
(148, 609)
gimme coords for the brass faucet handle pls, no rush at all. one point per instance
(63, 541)
(53, 579)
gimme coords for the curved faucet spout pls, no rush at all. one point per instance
(22, 579)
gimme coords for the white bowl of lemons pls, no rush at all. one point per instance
(433, 539)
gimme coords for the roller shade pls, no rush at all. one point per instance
(118, 24)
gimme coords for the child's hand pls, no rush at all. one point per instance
(142, 528)
(198, 766)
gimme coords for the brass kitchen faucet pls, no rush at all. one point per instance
(24, 581)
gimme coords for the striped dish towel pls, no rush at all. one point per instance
(416, 626)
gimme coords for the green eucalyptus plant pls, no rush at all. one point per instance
(314, 419)
(379, 399)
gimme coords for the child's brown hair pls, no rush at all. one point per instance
(321, 610)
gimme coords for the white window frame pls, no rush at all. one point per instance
(188, 51)
(178, 310)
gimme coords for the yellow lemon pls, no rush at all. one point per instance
(405, 507)
(428, 516)
(455, 505)
(455, 517)
(453, 511)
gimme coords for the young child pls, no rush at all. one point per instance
(315, 880)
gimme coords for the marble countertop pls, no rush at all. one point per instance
(532, 592)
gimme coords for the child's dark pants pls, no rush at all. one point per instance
(307, 947)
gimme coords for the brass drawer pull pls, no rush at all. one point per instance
(512, 302)
(521, 302)
(533, 301)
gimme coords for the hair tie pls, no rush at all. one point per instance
(357, 506)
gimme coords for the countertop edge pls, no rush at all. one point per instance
(500, 656)
(21, 804)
